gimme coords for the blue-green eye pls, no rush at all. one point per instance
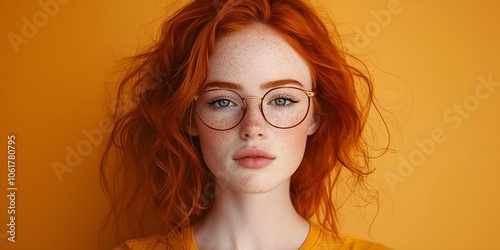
(283, 101)
(222, 103)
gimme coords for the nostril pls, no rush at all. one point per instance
(258, 135)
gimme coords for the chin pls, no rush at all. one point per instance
(256, 185)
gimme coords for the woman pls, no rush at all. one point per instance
(238, 123)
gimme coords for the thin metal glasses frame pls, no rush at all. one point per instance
(309, 94)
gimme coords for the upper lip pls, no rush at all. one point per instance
(252, 153)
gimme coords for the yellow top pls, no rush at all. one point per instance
(316, 239)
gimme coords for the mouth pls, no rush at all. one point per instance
(253, 158)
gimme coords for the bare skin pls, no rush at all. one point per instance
(252, 221)
(252, 208)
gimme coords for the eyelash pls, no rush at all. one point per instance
(286, 98)
(215, 102)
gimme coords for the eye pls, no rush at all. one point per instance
(283, 101)
(221, 103)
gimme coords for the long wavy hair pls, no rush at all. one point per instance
(152, 169)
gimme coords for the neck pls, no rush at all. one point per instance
(253, 221)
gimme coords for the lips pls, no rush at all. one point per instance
(253, 158)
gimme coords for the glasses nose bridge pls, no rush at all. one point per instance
(252, 97)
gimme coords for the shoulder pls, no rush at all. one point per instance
(356, 243)
(143, 244)
(156, 243)
(319, 238)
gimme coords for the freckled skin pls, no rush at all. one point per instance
(253, 57)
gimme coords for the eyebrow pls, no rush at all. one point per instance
(267, 85)
(279, 83)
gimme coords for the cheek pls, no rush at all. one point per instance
(295, 143)
(289, 144)
(213, 144)
(292, 144)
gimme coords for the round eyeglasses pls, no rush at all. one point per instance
(281, 107)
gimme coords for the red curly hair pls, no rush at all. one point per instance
(152, 169)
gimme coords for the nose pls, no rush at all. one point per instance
(253, 124)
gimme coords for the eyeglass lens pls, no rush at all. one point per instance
(283, 107)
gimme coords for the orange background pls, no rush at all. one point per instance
(426, 58)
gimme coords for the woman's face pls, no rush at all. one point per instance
(254, 157)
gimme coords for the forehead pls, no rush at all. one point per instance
(255, 56)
